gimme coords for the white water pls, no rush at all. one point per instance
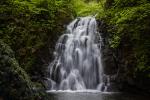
(77, 64)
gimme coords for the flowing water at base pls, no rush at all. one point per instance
(94, 95)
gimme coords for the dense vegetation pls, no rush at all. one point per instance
(129, 27)
(29, 30)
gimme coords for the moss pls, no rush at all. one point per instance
(13, 78)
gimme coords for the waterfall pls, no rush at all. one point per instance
(77, 64)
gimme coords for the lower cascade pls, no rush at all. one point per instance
(77, 64)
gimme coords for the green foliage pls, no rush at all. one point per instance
(31, 25)
(15, 84)
(30, 28)
(83, 8)
(129, 27)
(115, 41)
(128, 3)
(13, 78)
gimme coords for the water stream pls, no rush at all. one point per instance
(77, 64)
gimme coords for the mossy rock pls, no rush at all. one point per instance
(14, 83)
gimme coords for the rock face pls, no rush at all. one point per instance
(109, 59)
(113, 62)
(120, 63)
(115, 66)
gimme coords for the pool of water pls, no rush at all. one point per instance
(94, 95)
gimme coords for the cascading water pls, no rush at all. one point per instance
(77, 64)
